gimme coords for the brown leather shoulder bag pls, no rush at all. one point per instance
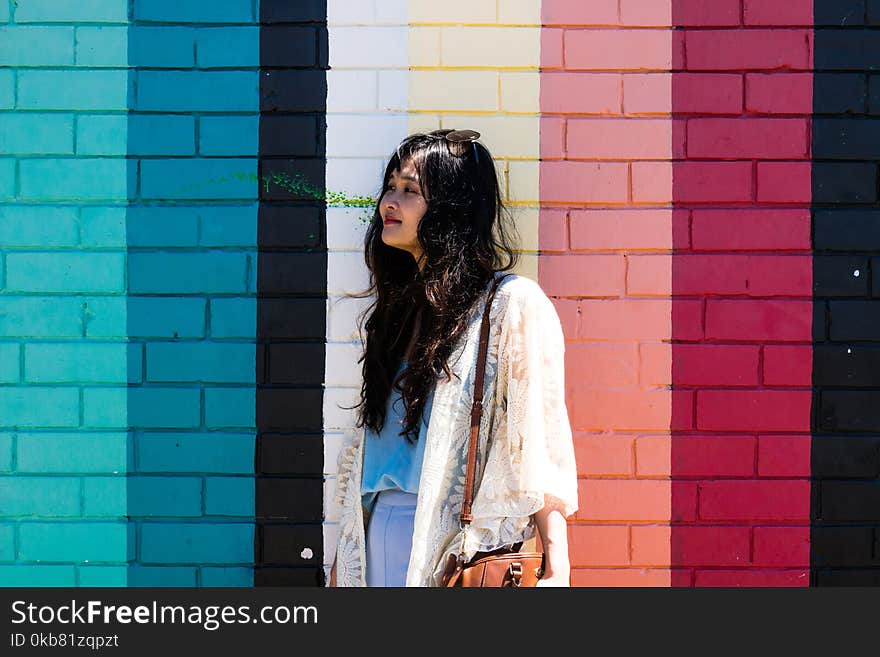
(506, 566)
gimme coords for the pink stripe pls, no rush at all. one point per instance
(606, 233)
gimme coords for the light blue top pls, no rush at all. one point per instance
(390, 461)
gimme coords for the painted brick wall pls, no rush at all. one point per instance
(193, 131)
(845, 457)
(477, 65)
(63, 323)
(128, 137)
(606, 238)
(662, 158)
(682, 272)
(367, 99)
(741, 434)
(292, 293)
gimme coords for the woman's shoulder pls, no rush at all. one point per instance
(525, 302)
(523, 291)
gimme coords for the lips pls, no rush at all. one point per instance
(392, 220)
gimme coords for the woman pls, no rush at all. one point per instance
(438, 239)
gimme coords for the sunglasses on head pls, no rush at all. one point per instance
(457, 140)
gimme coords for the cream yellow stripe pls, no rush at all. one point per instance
(476, 64)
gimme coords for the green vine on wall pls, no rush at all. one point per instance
(300, 187)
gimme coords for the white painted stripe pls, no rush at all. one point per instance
(367, 92)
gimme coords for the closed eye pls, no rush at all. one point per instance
(390, 188)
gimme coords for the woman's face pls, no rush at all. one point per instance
(402, 206)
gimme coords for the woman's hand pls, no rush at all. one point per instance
(556, 578)
(554, 539)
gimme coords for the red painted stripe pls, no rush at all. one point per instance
(740, 455)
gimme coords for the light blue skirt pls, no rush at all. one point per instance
(389, 538)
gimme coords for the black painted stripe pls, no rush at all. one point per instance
(291, 293)
(845, 502)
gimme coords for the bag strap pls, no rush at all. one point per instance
(477, 408)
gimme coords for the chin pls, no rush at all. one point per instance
(389, 242)
(392, 243)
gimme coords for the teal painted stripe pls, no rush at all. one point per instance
(71, 452)
(191, 235)
(74, 90)
(71, 11)
(36, 46)
(128, 244)
(63, 246)
(37, 575)
(65, 542)
(229, 11)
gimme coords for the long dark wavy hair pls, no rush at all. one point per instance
(466, 235)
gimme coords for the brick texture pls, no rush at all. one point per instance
(670, 179)
(845, 513)
(606, 183)
(745, 183)
(686, 153)
(128, 244)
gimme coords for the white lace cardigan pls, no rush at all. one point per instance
(525, 431)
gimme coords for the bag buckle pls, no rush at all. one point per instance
(515, 570)
(464, 529)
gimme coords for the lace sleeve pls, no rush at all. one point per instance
(540, 458)
(537, 418)
(345, 461)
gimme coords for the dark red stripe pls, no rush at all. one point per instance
(740, 446)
